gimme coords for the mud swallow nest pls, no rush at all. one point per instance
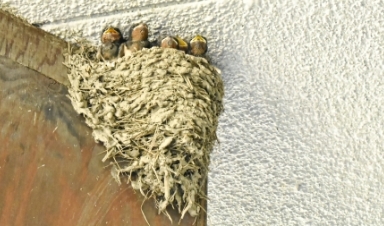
(156, 111)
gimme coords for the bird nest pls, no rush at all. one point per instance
(156, 111)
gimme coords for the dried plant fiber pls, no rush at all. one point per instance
(156, 111)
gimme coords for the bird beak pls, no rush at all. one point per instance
(198, 38)
(111, 30)
(182, 44)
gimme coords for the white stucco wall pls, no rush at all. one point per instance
(302, 139)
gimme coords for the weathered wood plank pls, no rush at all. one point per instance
(32, 47)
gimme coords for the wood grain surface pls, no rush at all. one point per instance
(50, 166)
(32, 47)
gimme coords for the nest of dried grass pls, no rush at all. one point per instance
(156, 112)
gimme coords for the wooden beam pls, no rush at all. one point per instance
(32, 47)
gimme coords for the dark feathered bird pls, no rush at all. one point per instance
(137, 41)
(169, 42)
(111, 34)
(198, 45)
(139, 32)
(108, 51)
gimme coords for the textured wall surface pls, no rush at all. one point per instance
(302, 139)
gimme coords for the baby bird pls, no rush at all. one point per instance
(137, 41)
(111, 34)
(139, 32)
(183, 45)
(198, 45)
(111, 38)
(169, 42)
(108, 51)
(129, 47)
